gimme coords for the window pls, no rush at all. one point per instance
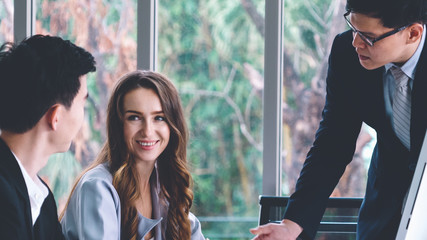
(214, 52)
(107, 29)
(6, 20)
(308, 39)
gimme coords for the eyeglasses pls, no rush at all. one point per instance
(369, 40)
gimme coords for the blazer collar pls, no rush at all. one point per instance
(160, 209)
(9, 162)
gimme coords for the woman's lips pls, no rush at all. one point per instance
(147, 145)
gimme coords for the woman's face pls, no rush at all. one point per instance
(146, 130)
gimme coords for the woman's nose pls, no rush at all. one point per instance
(146, 128)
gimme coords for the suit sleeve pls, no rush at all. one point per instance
(334, 143)
(93, 212)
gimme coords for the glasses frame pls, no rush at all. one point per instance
(369, 40)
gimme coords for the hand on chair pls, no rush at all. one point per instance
(286, 230)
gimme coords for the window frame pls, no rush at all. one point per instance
(24, 26)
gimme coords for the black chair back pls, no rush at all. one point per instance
(339, 221)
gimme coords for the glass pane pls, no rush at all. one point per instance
(6, 20)
(308, 39)
(107, 29)
(214, 50)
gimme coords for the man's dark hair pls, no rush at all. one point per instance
(36, 74)
(393, 13)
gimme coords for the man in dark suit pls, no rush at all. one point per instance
(377, 75)
(42, 95)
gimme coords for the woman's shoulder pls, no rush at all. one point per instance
(196, 230)
(194, 221)
(94, 207)
(97, 180)
(98, 173)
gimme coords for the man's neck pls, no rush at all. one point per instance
(29, 149)
(412, 49)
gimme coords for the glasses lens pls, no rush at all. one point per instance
(349, 24)
(365, 39)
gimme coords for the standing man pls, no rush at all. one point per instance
(377, 75)
(42, 96)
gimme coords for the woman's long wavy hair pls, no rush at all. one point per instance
(174, 176)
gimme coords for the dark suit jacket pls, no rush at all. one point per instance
(356, 95)
(15, 210)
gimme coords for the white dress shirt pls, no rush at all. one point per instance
(37, 191)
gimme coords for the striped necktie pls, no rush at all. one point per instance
(402, 106)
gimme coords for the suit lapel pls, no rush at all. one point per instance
(9, 162)
(387, 97)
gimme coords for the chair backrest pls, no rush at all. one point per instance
(338, 222)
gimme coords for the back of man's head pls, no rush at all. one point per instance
(36, 74)
(393, 13)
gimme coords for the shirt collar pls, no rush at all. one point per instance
(410, 66)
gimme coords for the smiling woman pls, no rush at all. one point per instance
(139, 186)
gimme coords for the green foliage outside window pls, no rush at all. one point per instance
(213, 50)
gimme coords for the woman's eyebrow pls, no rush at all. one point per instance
(132, 111)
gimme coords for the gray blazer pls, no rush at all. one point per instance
(94, 210)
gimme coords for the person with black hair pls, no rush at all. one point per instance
(42, 95)
(376, 75)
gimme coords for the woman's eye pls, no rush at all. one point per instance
(133, 118)
(160, 118)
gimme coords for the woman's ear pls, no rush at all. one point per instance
(52, 116)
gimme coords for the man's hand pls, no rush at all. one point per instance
(286, 230)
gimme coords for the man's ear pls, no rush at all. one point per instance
(415, 32)
(52, 116)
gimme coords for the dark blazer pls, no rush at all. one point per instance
(356, 95)
(15, 210)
